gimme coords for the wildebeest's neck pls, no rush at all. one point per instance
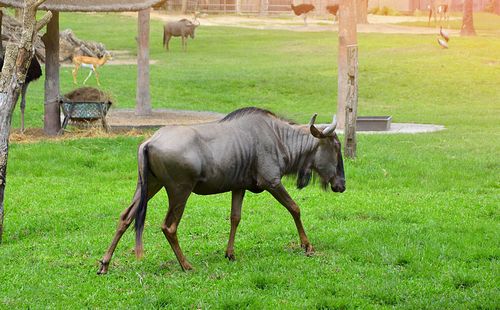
(297, 145)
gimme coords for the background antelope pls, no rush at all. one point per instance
(90, 62)
(441, 8)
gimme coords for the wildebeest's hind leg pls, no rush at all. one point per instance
(236, 202)
(279, 192)
(167, 40)
(177, 198)
(126, 218)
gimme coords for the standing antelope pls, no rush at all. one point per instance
(440, 7)
(90, 62)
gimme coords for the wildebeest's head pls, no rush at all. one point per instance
(327, 161)
(191, 26)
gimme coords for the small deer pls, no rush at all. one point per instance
(90, 62)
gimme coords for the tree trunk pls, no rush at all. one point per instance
(362, 11)
(496, 6)
(467, 20)
(16, 62)
(347, 36)
(1, 21)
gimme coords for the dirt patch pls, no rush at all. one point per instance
(377, 23)
(34, 135)
(127, 119)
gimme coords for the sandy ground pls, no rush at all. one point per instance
(126, 118)
(376, 23)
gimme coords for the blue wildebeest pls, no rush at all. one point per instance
(182, 28)
(249, 149)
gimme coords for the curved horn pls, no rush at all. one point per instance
(313, 119)
(196, 22)
(330, 129)
(314, 131)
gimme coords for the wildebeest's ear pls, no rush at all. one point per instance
(316, 132)
(303, 177)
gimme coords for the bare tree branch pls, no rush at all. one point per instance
(43, 21)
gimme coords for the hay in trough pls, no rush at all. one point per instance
(87, 94)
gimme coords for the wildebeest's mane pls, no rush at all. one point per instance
(251, 110)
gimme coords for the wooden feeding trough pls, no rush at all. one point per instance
(84, 105)
(373, 123)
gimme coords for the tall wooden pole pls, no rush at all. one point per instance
(143, 97)
(347, 36)
(52, 118)
(351, 108)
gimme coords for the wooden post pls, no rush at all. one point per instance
(347, 36)
(351, 108)
(52, 118)
(143, 98)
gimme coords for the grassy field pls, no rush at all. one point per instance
(484, 23)
(417, 227)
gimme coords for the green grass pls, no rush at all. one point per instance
(484, 23)
(417, 227)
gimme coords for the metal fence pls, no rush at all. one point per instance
(257, 7)
(265, 7)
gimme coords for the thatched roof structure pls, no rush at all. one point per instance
(89, 5)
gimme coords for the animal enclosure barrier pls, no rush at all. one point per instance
(262, 7)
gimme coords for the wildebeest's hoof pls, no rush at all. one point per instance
(186, 266)
(230, 256)
(103, 268)
(308, 248)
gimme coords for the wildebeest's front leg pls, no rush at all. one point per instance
(176, 203)
(236, 202)
(184, 38)
(279, 192)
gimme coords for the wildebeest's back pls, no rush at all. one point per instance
(217, 157)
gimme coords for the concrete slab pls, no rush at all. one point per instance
(126, 119)
(406, 128)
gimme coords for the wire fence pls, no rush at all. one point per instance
(255, 7)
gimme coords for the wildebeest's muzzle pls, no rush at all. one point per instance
(339, 185)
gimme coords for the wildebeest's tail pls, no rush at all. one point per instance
(142, 184)
(164, 39)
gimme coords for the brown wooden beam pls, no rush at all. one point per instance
(347, 36)
(52, 120)
(143, 97)
(351, 107)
